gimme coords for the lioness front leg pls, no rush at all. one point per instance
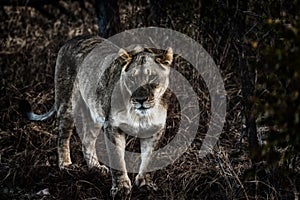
(89, 137)
(147, 147)
(89, 132)
(115, 144)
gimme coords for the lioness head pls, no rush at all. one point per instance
(145, 77)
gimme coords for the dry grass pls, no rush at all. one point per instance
(28, 162)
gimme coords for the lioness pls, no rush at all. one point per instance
(82, 81)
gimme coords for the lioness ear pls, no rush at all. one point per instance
(124, 55)
(167, 57)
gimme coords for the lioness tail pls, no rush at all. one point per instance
(26, 111)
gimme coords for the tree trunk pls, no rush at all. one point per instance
(108, 17)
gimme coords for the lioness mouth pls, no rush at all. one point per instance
(142, 103)
(142, 110)
(142, 107)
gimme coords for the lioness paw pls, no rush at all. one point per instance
(121, 190)
(64, 164)
(103, 169)
(145, 181)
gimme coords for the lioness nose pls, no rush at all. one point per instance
(140, 100)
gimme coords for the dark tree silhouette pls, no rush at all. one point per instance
(108, 17)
